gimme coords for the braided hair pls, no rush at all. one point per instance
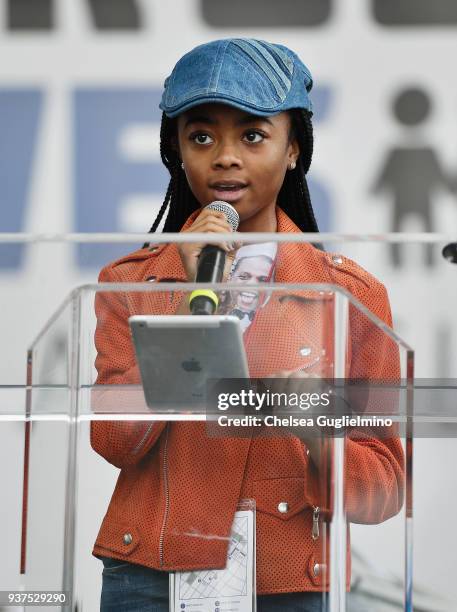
(293, 197)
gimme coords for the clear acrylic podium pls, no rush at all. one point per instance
(316, 329)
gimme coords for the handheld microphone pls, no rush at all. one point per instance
(210, 266)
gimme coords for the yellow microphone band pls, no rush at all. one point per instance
(206, 293)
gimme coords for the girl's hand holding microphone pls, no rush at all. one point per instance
(209, 220)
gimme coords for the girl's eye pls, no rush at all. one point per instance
(200, 138)
(254, 133)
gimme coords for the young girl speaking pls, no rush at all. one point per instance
(236, 126)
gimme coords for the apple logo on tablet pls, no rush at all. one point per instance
(191, 366)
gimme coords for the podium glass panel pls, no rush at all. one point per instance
(321, 443)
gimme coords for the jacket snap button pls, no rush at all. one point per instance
(305, 351)
(151, 279)
(317, 569)
(283, 507)
(127, 538)
(337, 259)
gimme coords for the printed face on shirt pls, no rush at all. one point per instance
(250, 270)
(250, 154)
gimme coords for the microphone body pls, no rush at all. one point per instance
(210, 267)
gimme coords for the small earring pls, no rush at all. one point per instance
(292, 165)
(182, 165)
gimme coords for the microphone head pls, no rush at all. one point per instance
(233, 217)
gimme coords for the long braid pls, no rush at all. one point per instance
(184, 199)
(165, 134)
(163, 208)
(179, 199)
(293, 197)
(309, 144)
(175, 199)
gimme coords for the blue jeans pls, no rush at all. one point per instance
(134, 588)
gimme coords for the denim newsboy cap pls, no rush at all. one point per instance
(253, 75)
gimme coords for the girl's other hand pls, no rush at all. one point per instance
(207, 221)
(289, 382)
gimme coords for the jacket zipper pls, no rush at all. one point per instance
(167, 498)
(315, 529)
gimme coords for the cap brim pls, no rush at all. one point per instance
(174, 112)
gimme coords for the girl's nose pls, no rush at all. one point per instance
(227, 156)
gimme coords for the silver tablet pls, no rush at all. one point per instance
(178, 354)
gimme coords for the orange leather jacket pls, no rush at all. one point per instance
(177, 491)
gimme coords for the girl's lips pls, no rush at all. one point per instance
(228, 195)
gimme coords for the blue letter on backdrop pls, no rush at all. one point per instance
(102, 177)
(19, 116)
